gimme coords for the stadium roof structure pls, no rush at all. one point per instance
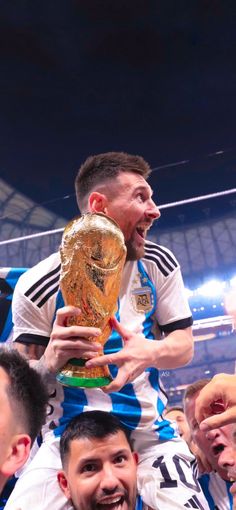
(20, 218)
(204, 249)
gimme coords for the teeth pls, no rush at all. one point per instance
(143, 226)
(110, 501)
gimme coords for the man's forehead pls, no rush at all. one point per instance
(117, 441)
(175, 412)
(189, 406)
(133, 179)
(4, 377)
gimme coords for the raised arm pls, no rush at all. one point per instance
(211, 414)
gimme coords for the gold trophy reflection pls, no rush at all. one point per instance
(92, 259)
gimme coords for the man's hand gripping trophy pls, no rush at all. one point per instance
(92, 258)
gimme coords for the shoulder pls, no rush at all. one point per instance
(214, 482)
(40, 279)
(160, 257)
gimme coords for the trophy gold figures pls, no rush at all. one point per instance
(92, 258)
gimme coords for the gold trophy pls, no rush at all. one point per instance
(92, 258)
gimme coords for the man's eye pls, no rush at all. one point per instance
(141, 197)
(87, 468)
(120, 459)
(195, 425)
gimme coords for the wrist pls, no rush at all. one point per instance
(43, 369)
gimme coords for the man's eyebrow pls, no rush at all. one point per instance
(122, 451)
(95, 458)
(84, 460)
(142, 187)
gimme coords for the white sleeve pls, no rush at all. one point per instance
(173, 309)
(29, 321)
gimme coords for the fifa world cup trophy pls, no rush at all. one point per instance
(92, 259)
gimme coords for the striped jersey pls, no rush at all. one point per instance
(216, 491)
(151, 301)
(8, 279)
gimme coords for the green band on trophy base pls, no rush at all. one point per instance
(83, 382)
(74, 375)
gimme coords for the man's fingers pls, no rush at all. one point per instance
(118, 383)
(74, 354)
(65, 313)
(75, 345)
(63, 317)
(100, 361)
(75, 333)
(123, 332)
(219, 420)
(204, 401)
(90, 354)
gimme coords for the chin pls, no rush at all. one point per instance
(233, 489)
(134, 252)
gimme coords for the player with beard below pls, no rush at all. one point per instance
(222, 387)
(23, 405)
(152, 306)
(99, 466)
(216, 485)
(227, 461)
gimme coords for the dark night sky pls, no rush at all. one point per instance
(148, 77)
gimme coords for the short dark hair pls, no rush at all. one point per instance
(193, 388)
(90, 424)
(102, 167)
(27, 393)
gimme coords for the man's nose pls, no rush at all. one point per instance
(212, 434)
(109, 481)
(153, 211)
(226, 459)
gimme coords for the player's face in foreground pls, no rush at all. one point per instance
(211, 442)
(227, 460)
(183, 427)
(7, 419)
(101, 474)
(132, 207)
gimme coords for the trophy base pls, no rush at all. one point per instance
(76, 375)
(83, 382)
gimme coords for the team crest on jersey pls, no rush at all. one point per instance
(142, 299)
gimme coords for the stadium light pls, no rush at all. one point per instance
(189, 293)
(212, 288)
(233, 281)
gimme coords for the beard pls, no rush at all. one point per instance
(134, 252)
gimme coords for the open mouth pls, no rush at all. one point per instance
(141, 232)
(112, 503)
(218, 449)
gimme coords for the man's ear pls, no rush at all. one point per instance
(97, 202)
(18, 453)
(135, 456)
(62, 480)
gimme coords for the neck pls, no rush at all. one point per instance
(3, 481)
